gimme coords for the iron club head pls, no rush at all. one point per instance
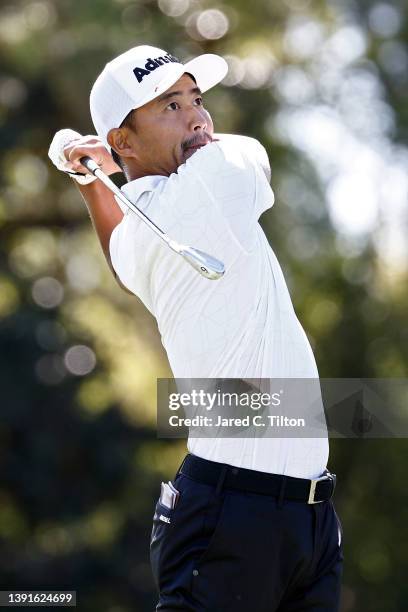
(205, 264)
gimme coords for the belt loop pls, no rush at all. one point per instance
(281, 495)
(221, 479)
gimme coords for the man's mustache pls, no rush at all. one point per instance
(199, 139)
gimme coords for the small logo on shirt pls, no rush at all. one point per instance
(152, 64)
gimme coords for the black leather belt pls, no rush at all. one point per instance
(242, 479)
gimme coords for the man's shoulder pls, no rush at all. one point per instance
(244, 147)
(236, 138)
(250, 147)
(240, 140)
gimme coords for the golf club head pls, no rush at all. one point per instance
(205, 264)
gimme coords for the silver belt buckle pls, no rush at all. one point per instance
(312, 489)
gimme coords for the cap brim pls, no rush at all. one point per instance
(207, 69)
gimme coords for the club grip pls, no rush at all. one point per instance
(89, 164)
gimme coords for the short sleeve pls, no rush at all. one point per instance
(256, 152)
(231, 177)
(252, 148)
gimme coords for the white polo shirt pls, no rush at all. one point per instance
(240, 326)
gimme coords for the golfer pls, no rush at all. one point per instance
(247, 524)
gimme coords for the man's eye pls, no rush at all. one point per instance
(173, 106)
(199, 101)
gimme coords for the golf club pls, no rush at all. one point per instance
(205, 264)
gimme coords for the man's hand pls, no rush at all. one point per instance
(90, 146)
(66, 149)
(68, 146)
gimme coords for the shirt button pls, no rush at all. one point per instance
(195, 572)
(235, 471)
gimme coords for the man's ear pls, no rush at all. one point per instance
(117, 139)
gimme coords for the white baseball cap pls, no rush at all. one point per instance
(140, 75)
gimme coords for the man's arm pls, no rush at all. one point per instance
(103, 209)
(66, 149)
(227, 179)
(105, 216)
(104, 212)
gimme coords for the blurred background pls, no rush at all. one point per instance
(323, 84)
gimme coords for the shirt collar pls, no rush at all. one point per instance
(134, 189)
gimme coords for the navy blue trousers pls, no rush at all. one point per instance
(231, 551)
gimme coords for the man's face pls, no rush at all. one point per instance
(168, 130)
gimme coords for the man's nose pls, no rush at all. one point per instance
(198, 119)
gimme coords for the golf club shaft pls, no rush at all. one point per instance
(205, 264)
(93, 167)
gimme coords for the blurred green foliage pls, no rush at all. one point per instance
(324, 86)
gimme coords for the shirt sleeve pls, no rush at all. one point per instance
(229, 178)
(252, 147)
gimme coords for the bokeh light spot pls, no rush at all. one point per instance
(13, 26)
(212, 24)
(294, 85)
(47, 292)
(173, 8)
(83, 272)
(39, 15)
(303, 37)
(30, 174)
(353, 203)
(347, 44)
(236, 70)
(384, 20)
(80, 360)
(258, 68)
(13, 92)
(35, 253)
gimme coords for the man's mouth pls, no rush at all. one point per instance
(195, 147)
(194, 144)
